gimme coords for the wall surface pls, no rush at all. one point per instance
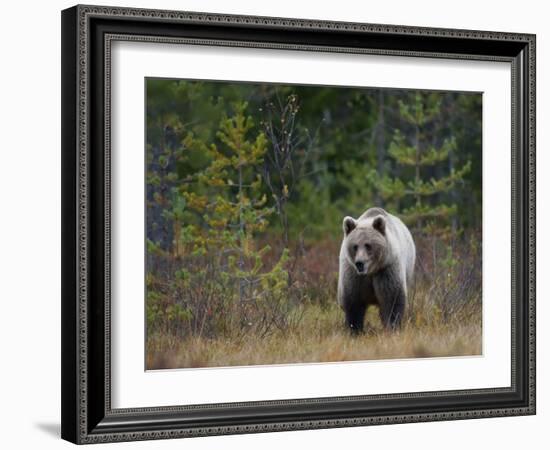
(30, 225)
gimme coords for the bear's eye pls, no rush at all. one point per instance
(355, 247)
(368, 247)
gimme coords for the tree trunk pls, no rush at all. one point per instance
(380, 142)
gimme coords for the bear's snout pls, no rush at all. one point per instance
(360, 266)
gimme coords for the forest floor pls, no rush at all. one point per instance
(322, 337)
(443, 316)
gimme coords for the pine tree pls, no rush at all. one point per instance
(231, 207)
(232, 204)
(425, 167)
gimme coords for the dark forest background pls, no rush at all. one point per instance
(247, 186)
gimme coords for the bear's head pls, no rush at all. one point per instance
(365, 243)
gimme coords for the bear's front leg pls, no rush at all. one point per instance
(390, 293)
(355, 316)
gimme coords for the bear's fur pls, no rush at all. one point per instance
(377, 260)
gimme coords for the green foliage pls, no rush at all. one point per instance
(421, 198)
(314, 214)
(226, 196)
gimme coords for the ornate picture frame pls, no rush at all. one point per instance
(88, 33)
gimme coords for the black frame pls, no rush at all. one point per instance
(87, 31)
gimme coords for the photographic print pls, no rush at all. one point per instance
(302, 223)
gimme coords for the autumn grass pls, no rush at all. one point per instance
(321, 337)
(443, 318)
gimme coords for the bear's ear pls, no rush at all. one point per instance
(379, 224)
(349, 225)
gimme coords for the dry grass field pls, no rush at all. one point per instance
(320, 339)
(443, 318)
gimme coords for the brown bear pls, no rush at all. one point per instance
(377, 260)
